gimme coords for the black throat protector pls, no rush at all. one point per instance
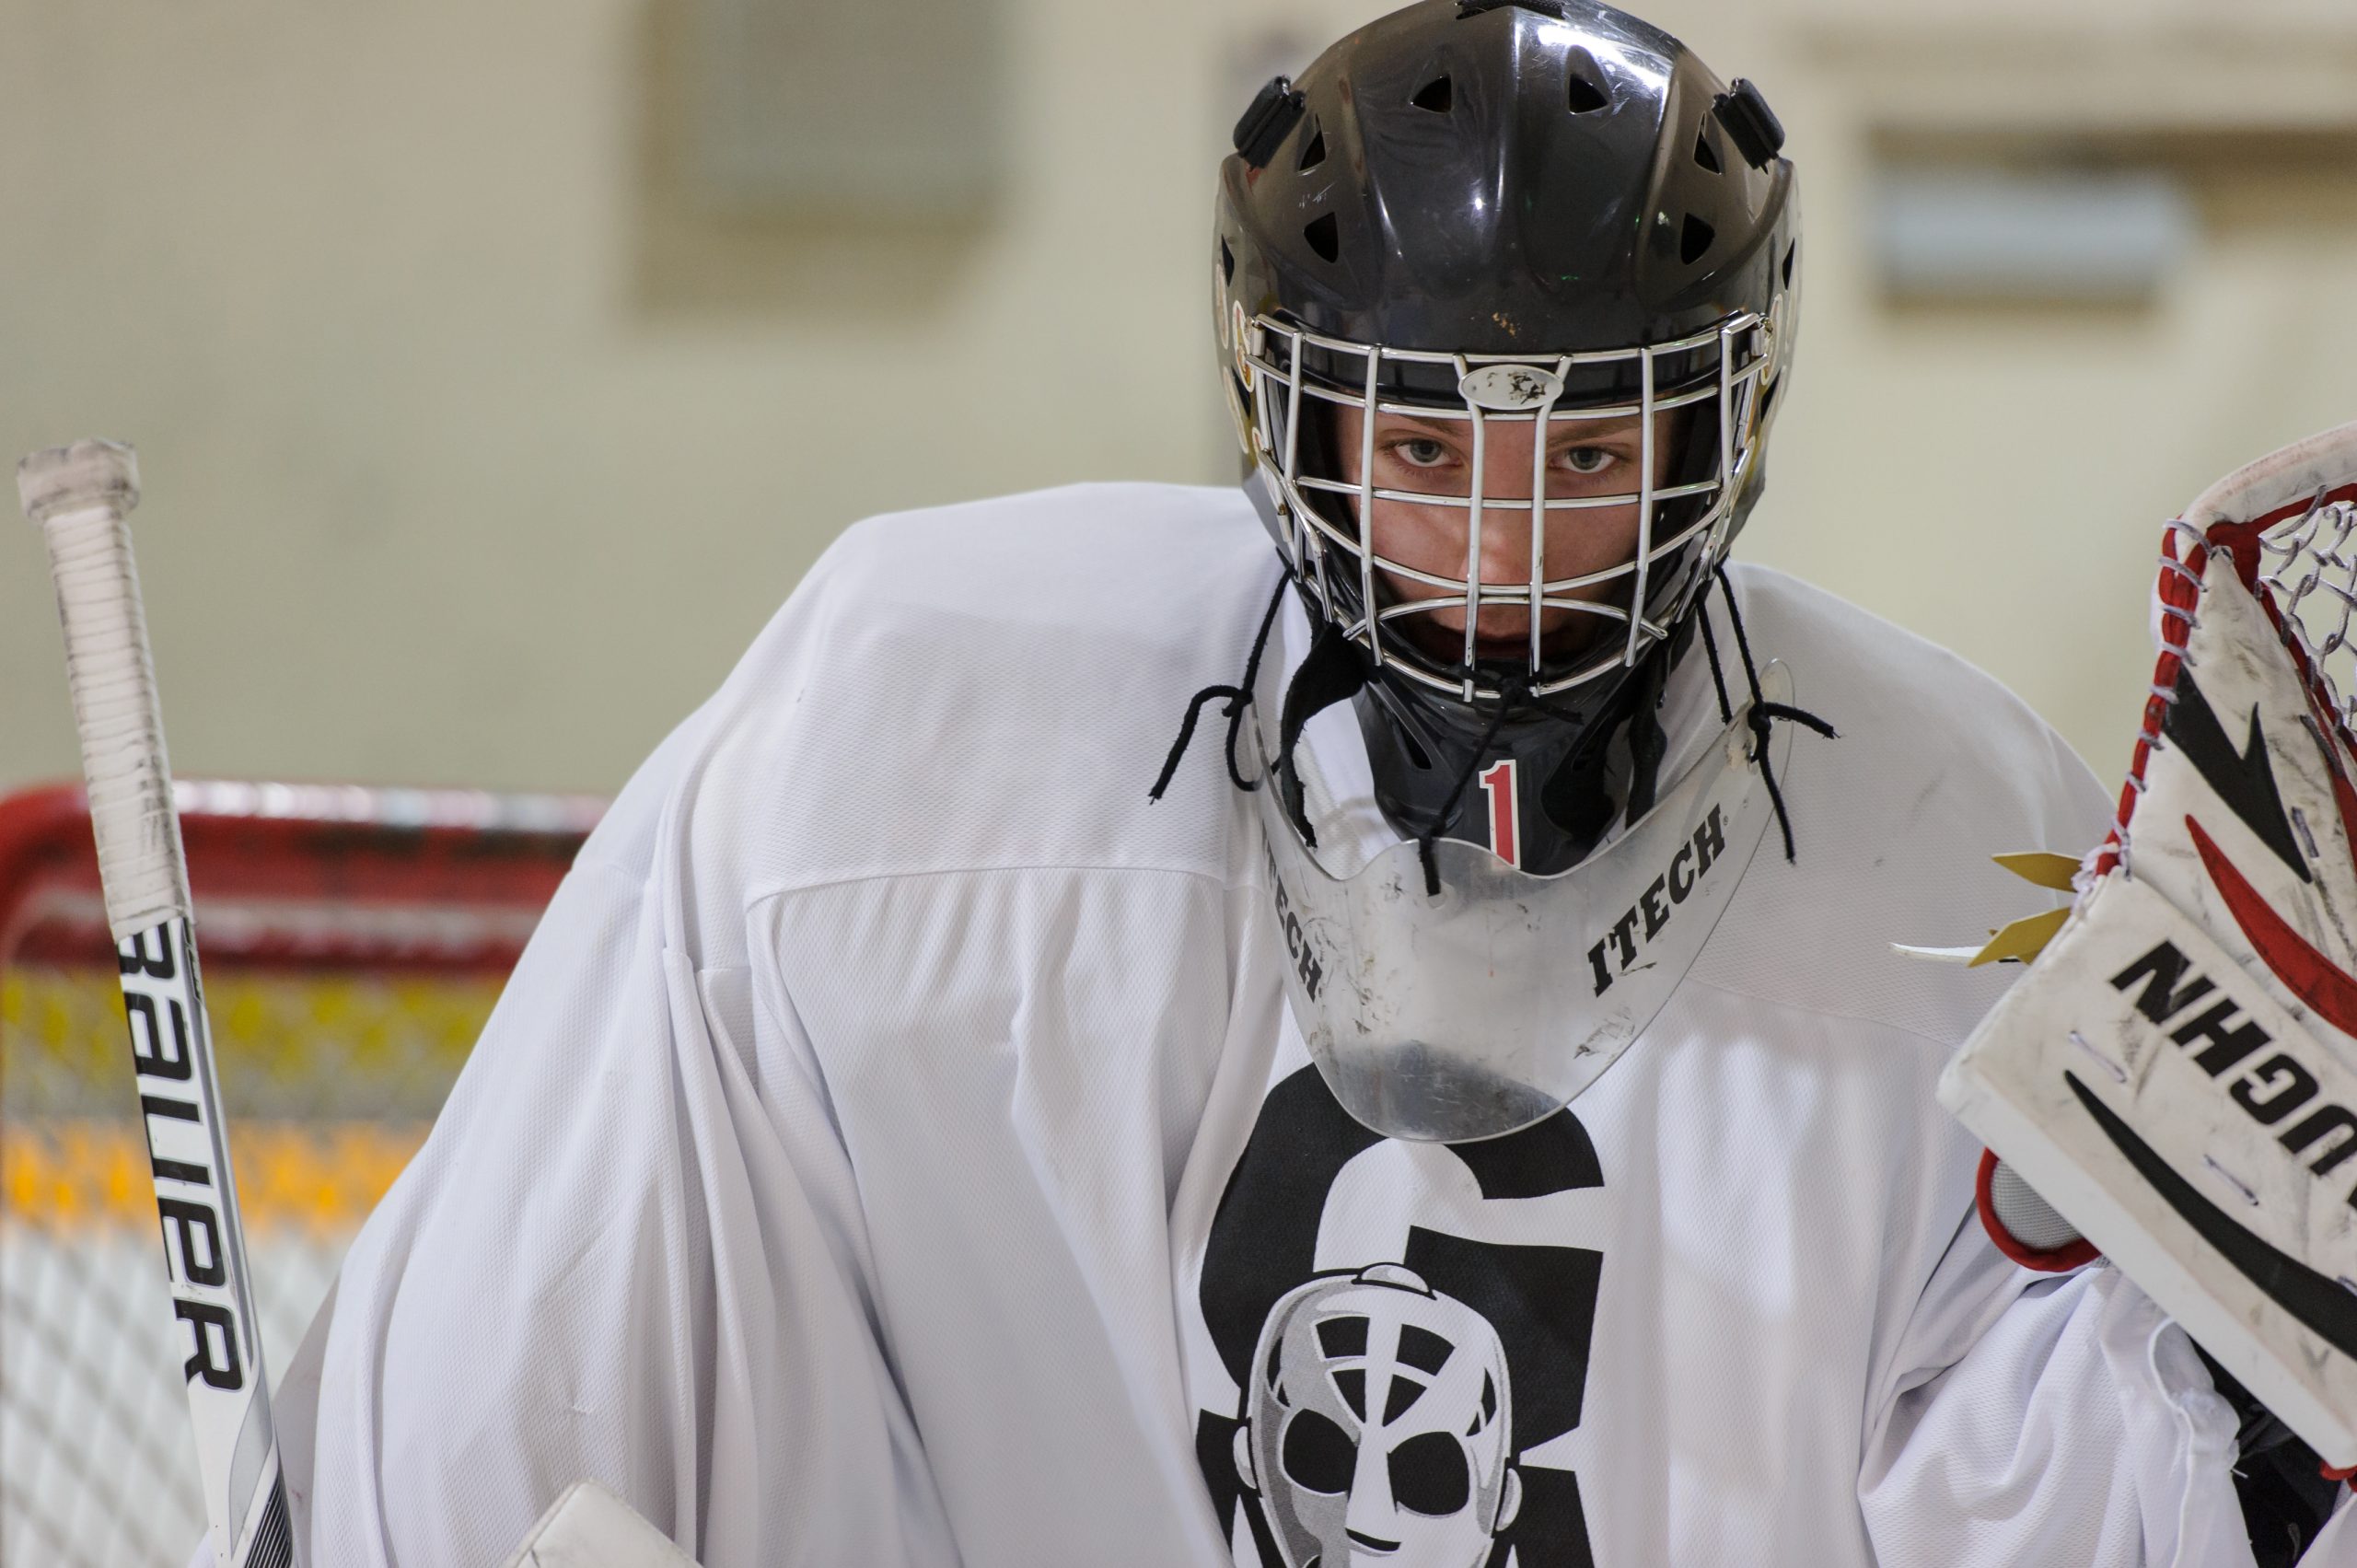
(1547, 777)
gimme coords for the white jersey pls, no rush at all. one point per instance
(894, 1146)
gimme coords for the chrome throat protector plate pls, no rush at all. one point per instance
(1489, 1008)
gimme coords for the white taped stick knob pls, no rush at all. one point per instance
(72, 479)
(78, 494)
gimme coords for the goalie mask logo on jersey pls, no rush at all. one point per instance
(1398, 1376)
(1377, 1420)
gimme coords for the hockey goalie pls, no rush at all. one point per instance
(1104, 1042)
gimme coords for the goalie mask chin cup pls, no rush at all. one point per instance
(1498, 216)
(1477, 1003)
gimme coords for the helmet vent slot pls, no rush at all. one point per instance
(1704, 153)
(1585, 90)
(1227, 260)
(1313, 151)
(1792, 253)
(1475, 7)
(1439, 94)
(1694, 240)
(1325, 237)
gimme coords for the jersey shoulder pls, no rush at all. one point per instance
(1915, 711)
(990, 686)
(1129, 563)
(1937, 769)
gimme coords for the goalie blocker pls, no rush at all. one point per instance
(2178, 1073)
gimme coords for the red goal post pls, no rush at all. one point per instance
(354, 939)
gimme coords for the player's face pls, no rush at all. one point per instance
(1586, 458)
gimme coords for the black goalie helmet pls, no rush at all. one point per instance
(1489, 262)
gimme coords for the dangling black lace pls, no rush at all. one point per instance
(1718, 676)
(1763, 713)
(1334, 671)
(1238, 697)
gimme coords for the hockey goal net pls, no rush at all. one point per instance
(353, 941)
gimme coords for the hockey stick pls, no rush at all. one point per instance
(80, 495)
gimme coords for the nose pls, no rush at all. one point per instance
(1506, 529)
(1505, 559)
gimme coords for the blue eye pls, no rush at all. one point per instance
(1586, 459)
(1421, 451)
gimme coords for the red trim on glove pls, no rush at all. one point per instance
(2312, 977)
(2061, 1260)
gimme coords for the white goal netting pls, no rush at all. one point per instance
(354, 942)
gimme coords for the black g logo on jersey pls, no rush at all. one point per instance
(1391, 1402)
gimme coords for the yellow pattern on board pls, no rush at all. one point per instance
(330, 1081)
(78, 1175)
(275, 1021)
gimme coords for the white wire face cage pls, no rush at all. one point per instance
(1683, 527)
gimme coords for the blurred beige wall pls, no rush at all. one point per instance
(475, 452)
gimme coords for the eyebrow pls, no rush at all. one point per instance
(1620, 425)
